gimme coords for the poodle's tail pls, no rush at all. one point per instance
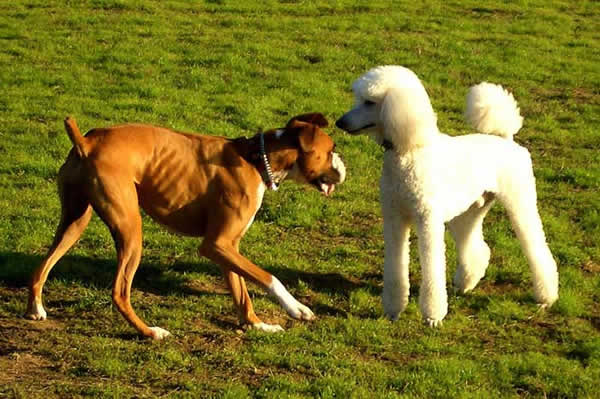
(493, 110)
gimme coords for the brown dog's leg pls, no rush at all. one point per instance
(76, 214)
(117, 204)
(241, 298)
(229, 259)
(239, 292)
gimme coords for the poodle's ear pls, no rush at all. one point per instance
(314, 118)
(408, 118)
(393, 116)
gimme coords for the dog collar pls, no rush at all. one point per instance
(387, 145)
(263, 154)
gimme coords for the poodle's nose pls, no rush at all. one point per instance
(340, 124)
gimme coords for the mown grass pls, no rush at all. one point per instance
(232, 68)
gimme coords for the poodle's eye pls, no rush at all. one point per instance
(368, 103)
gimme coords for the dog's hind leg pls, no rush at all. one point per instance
(472, 251)
(396, 284)
(75, 216)
(116, 202)
(519, 199)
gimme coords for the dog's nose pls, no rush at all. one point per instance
(340, 123)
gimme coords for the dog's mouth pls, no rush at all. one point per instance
(327, 181)
(325, 187)
(355, 131)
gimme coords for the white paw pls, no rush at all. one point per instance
(392, 316)
(480, 202)
(159, 333)
(547, 301)
(433, 323)
(270, 328)
(37, 313)
(392, 307)
(299, 311)
(466, 284)
(288, 302)
(546, 305)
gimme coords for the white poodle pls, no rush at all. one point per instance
(430, 178)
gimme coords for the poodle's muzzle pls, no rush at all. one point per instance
(359, 118)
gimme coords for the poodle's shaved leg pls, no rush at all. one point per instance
(523, 213)
(433, 299)
(396, 284)
(473, 253)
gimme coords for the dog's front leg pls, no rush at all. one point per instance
(228, 258)
(243, 303)
(396, 284)
(433, 299)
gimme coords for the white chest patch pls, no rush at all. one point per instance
(260, 192)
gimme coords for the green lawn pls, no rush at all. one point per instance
(232, 67)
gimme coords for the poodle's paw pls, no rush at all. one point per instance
(392, 307)
(434, 323)
(546, 297)
(480, 202)
(464, 284)
(158, 333)
(542, 305)
(433, 311)
(392, 316)
(36, 312)
(270, 328)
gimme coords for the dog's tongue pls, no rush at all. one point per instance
(327, 189)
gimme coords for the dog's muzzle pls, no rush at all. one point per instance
(346, 124)
(342, 123)
(336, 175)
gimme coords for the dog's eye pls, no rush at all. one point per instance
(368, 103)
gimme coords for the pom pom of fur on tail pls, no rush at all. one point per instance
(493, 110)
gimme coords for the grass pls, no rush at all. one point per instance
(234, 67)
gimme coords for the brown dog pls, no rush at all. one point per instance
(199, 186)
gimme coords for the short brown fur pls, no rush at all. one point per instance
(194, 185)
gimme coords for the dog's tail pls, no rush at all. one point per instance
(493, 110)
(79, 142)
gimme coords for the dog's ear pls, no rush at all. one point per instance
(305, 132)
(314, 118)
(307, 137)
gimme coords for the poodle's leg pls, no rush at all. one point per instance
(522, 209)
(433, 299)
(396, 231)
(473, 253)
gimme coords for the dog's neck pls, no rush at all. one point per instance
(281, 152)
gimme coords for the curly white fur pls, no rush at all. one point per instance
(493, 110)
(430, 179)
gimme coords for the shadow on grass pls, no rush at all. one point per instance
(159, 278)
(323, 282)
